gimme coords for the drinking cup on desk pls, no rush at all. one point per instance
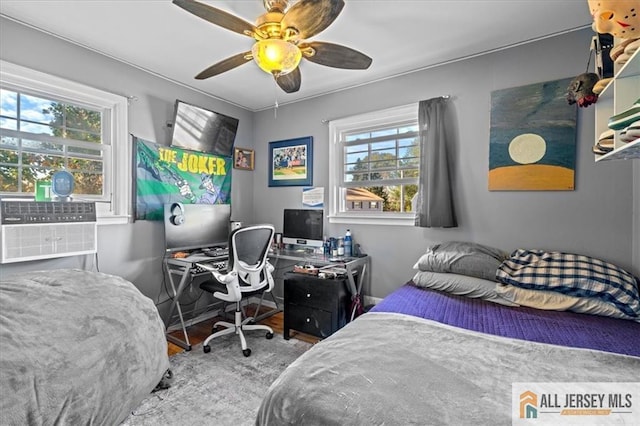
(278, 238)
(333, 245)
(327, 248)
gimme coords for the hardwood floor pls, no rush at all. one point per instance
(200, 331)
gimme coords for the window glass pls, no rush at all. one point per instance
(378, 158)
(45, 133)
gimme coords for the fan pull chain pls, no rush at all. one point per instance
(275, 95)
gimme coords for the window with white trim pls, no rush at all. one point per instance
(375, 160)
(49, 124)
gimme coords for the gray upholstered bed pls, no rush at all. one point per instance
(76, 348)
(443, 349)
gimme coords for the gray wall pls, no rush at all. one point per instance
(596, 219)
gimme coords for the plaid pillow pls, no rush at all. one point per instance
(574, 275)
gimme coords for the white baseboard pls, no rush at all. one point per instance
(370, 300)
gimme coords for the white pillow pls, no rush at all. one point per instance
(461, 285)
(554, 301)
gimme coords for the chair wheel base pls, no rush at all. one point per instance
(246, 352)
(269, 335)
(206, 349)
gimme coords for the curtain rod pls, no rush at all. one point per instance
(327, 120)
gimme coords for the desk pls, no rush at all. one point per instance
(183, 268)
(354, 266)
(315, 306)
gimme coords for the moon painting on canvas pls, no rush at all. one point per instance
(532, 142)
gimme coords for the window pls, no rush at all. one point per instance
(49, 124)
(377, 158)
(41, 136)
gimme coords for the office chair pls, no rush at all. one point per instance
(248, 273)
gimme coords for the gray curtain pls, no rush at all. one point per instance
(434, 200)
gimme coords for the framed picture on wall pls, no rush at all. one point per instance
(243, 159)
(532, 139)
(291, 162)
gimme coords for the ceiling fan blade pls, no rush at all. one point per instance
(225, 65)
(217, 17)
(290, 83)
(335, 55)
(310, 17)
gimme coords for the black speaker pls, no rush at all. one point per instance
(177, 214)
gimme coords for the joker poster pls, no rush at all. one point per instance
(167, 175)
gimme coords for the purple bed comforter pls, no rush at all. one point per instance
(559, 328)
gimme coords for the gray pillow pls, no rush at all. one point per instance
(461, 285)
(466, 258)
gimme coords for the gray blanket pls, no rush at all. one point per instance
(76, 348)
(394, 369)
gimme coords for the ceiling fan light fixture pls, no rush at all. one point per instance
(275, 56)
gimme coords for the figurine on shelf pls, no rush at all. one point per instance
(620, 18)
(580, 90)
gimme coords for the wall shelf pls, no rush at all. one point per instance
(618, 96)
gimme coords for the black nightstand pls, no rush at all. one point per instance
(314, 305)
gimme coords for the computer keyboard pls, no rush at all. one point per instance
(216, 252)
(200, 268)
(197, 269)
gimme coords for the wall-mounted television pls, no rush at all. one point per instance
(199, 129)
(196, 226)
(303, 227)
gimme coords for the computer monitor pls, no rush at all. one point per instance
(303, 227)
(195, 226)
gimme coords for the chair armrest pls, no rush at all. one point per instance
(233, 286)
(269, 269)
(225, 278)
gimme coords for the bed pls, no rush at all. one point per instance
(453, 347)
(77, 348)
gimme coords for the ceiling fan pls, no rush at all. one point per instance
(280, 36)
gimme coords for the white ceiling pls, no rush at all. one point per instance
(400, 35)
